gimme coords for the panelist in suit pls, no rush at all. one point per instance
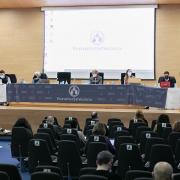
(166, 80)
(4, 79)
(128, 75)
(95, 78)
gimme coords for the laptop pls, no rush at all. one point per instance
(165, 84)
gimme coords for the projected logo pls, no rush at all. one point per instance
(97, 38)
(74, 91)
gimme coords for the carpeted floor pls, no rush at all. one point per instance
(5, 157)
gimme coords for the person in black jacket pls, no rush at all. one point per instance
(4, 78)
(167, 78)
(104, 164)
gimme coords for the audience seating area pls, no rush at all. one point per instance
(56, 152)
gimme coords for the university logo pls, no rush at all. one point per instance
(74, 91)
(97, 38)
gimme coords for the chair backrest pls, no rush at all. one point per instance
(135, 126)
(73, 121)
(143, 139)
(166, 132)
(49, 169)
(12, 78)
(50, 132)
(122, 133)
(95, 138)
(112, 120)
(161, 126)
(129, 158)
(176, 176)
(122, 139)
(132, 121)
(45, 176)
(172, 139)
(11, 170)
(177, 150)
(92, 177)
(39, 154)
(87, 171)
(114, 129)
(161, 152)
(69, 159)
(19, 141)
(149, 143)
(70, 137)
(46, 137)
(139, 130)
(143, 178)
(132, 174)
(93, 149)
(4, 176)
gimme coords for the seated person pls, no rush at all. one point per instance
(43, 79)
(167, 78)
(4, 79)
(139, 115)
(129, 74)
(22, 122)
(104, 164)
(100, 129)
(162, 171)
(36, 77)
(94, 116)
(95, 78)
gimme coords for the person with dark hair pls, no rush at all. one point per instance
(163, 118)
(43, 78)
(95, 78)
(22, 122)
(4, 79)
(104, 164)
(166, 80)
(139, 115)
(75, 125)
(94, 115)
(99, 129)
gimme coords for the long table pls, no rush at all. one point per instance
(92, 94)
(89, 94)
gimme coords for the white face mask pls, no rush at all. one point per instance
(2, 76)
(129, 73)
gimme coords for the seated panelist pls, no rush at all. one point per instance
(95, 78)
(4, 79)
(166, 80)
(128, 75)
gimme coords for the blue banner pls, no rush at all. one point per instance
(90, 94)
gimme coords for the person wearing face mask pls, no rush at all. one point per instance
(167, 80)
(95, 78)
(4, 79)
(129, 74)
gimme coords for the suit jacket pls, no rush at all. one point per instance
(95, 80)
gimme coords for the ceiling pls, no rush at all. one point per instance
(48, 3)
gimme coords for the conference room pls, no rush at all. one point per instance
(63, 61)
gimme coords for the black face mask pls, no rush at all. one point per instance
(166, 77)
